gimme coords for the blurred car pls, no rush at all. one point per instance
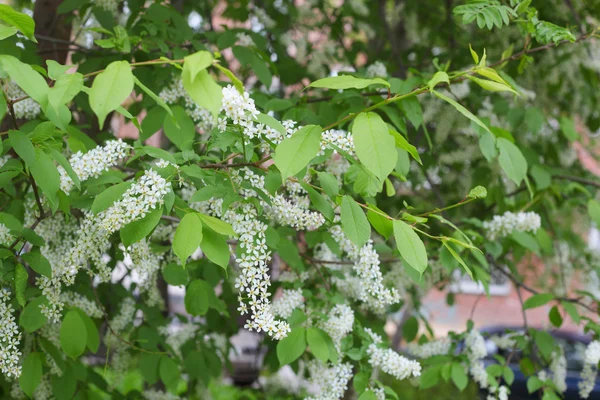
(574, 345)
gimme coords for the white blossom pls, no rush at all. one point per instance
(330, 380)
(289, 300)
(377, 69)
(391, 362)
(430, 349)
(590, 369)
(503, 225)
(24, 109)
(10, 338)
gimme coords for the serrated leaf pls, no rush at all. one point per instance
(347, 82)
(410, 245)
(354, 222)
(373, 144)
(292, 346)
(512, 160)
(110, 88)
(188, 236)
(73, 334)
(537, 300)
(294, 153)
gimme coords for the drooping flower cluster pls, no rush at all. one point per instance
(178, 335)
(93, 163)
(201, 116)
(89, 307)
(503, 225)
(590, 369)
(377, 69)
(24, 109)
(366, 265)
(476, 352)
(331, 381)
(289, 301)
(244, 40)
(498, 393)
(5, 236)
(295, 214)
(10, 338)
(558, 368)
(145, 264)
(434, 348)
(92, 239)
(339, 323)
(389, 361)
(337, 138)
(240, 109)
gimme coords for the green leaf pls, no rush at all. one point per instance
(7, 31)
(526, 240)
(374, 146)
(20, 283)
(439, 77)
(329, 184)
(317, 343)
(137, 230)
(188, 236)
(63, 162)
(22, 22)
(31, 374)
(319, 201)
(236, 82)
(26, 77)
(159, 153)
(217, 225)
(512, 160)
(148, 366)
(410, 328)
(153, 96)
(534, 384)
(403, 144)
(197, 296)
(382, 225)
(294, 153)
(73, 334)
(22, 146)
(458, 258)
(108, 197)
(292, 346)
(168, 371)
(491, 85)
(215, 247)
(65, 88)
(594, 211)
(93, 337)
(368, 395)
(462, 110)
(179, 128)
(38, 263)
(567, 127)
(571, 310)
(46, 175)
(459, 377)
(174, 274)
(411, 247)
(537, 300)
(203, 89)
(32, 318)
(555, 318)
(197, 62)
(347, 82)
(110, 88)
(354, 222)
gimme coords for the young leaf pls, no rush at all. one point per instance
(462, 110)
(294, 153)
(354, 222)
(108, 197)
(110, 88)
(188, 236)
(203, 89)
(317, 343)
(411, 247)
(137, 230)
(22, 22)
(31, 374)
(374, 146)
(512, 160)
(215, 247)
(537, 300)
(439, 77)
(197, 62)
(38, 263)
(347, 82)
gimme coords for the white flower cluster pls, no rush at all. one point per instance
(93, 163)
(434, 348)
(240, 109)
(89, 307)
(366, 265)
(503, 225)
(24, 109)
(178, 335)
(244, 40)
(111, 6)
(476, 352)
(118, 323)
(10, 338)
(286, 304)
(153, 394)
(590, 369)
(5, 236)
(558, 368)
(339, 323)
(331, 381)
(92, 239)
(337, 138)
(498, 393)
(200, 115)
(146, 264)
(505, 341)
(389, 361)
(377, 69)
(294, 214)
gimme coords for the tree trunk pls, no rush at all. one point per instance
(52, 30)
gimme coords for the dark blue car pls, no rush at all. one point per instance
(574, 346)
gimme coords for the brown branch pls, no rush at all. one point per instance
(579, 180)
